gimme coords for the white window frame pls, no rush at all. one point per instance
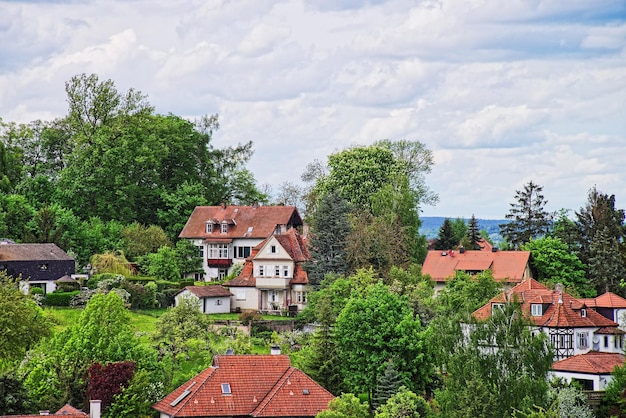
(208, 228)
(582, 339)
(496, 305)
(536, 309)
(277, 271)
(217, 251)
(285, 271)
(261, 270)
(224, 228)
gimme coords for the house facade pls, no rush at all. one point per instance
(211, 299)
(225, 235)
(247, 386)
(38, 265)
(578, 333)
(273, 278)
(507, 267)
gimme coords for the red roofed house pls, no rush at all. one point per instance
(509, 267)
(226, 235)
(211, 299)
(610, 306)
(273, 278)
(574, 330)
(67, 411)
(247, 386)
(591, 370)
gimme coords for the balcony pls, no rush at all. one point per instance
(219, 262)
(272, 282)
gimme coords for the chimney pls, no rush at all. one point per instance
(94, 408)
(275, 350)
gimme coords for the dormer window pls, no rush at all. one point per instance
(209, 227)
(496, 307)
(224, 227)
(583, 312)
(536, 309)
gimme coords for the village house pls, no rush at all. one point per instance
(273, 279)
(67, 411)
(226, 234)
(580, 336)
(247, 386)
(507, 267)
(211, 299)
(36, 265)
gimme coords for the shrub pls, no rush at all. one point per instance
(35, 290)
(59, 298)
(246, 317)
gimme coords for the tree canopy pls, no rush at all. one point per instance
(527, 217)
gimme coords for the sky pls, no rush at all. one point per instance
(502, 92)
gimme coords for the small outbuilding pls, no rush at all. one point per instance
(212, 299)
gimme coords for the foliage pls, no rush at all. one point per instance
(345, 406)
(473, 237)
(465, 293)
(59, 298)
(111, 262)
(495, 367)
(447, 238)
(614, 400)
(13, 396)
(162, 265)
(417, 288)
(330, 227)
(377, 327)
(404, 404)
(552, 262)
(527, 216)
(387, 385)
(140, 240)
(606, 266)
(106, 381)
(136, 399)
(22, 321)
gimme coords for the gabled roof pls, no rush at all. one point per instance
(32, 252)
(509, 266)
(259, 386)
(243, 221)
(559, 309)
(211, 291)
(593, 362)
(67, 411)
(606, 300)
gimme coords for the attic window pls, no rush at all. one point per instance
(273, 249)
(209, 227)
(536, 309)
(183, 395)
(583, 312)
(224, 227)
(305, 391)
(226, 389)
(496, 307)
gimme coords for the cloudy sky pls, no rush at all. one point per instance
(503, 92)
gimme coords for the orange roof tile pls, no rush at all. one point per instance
(593, 362)
(67, 411)
(260, 386)
(610, 300)
(506, 265)
(243, 221)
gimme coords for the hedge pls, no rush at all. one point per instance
(59, 298)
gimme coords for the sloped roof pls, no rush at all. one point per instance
(560, 309)
(246, 277)
(67, 411)
(244, 221)
(32, 252)
(293, 243)
(606, 300)
(593, 362)
(260, 386)
(210, 291)
(508, 266)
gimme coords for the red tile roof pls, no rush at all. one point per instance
(509, 266)
(607, 300)
(559, 309)
(67, 411)
(243, 221)
(210, 291)
(260, 386)
(593, 362)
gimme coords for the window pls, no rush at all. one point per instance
(582, 339)
(221, 273)
(273, 249)
(242, 252)
(226, 389)
(201, 251)
(261, 270)
(209, 228)
(606, 341)
(273, 296)
(285, 271)
(536, 309)
(217, 251)
(277, 271)
(301, 297)
(496, 306)
(224, 228)
(583, 312)
(218, 301)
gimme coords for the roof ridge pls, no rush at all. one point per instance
(270, 395)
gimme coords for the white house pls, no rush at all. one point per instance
(273, 278)
(591, 370)
(211, 299)
(225, 235)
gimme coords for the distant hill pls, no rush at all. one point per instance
(432, 224)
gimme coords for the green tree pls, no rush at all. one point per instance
(140, 240)
(498, 368)
(459, 226)
(136, 399)
(553, 263)
(606, 267)
(187, 257)
(330, 227)
(16, 213)
(181, 332)
(465, 293)
(614, 400)
(162, 265)
(405, 404)
(22, 321)
(111, 262)
(377, 327)
(447, 238)
(387, 385)
(178, 204)
(473, 238)
(527, 217)
(14, 398)
(345, 406)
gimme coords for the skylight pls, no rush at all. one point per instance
(183, 395)
(226, 389)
